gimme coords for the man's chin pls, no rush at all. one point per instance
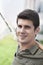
(22, 41)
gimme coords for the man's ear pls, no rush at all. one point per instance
(37, 30)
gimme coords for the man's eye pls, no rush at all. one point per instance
(27, 27)
(19, 26)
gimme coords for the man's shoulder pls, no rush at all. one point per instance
(39, 45)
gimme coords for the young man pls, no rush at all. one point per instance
(29, 51)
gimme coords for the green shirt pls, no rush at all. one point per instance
(32, 56)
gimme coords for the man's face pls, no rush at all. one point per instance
(25, 31)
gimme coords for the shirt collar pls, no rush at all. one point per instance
(33, 49)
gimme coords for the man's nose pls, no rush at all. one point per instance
(22, 29)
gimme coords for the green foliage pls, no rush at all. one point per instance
(7, 48)
(41, 41)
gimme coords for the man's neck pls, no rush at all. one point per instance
(26, 46)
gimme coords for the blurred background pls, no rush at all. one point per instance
(9, 10)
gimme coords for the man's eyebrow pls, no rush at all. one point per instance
(27, 26)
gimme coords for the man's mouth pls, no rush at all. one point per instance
(23, 36)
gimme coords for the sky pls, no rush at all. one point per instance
(9, 9)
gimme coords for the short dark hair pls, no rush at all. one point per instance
(29, 15)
